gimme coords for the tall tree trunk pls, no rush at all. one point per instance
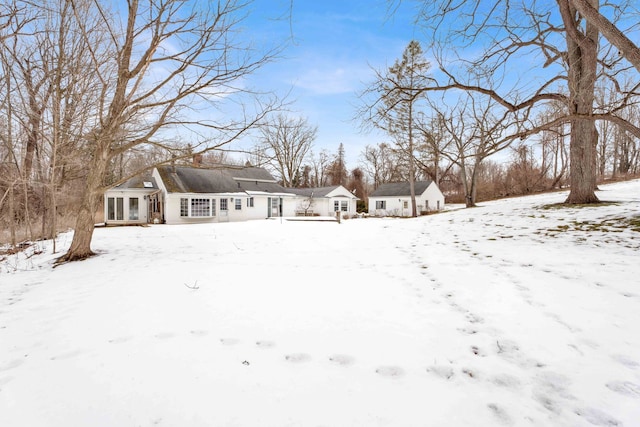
(12, 216)
(473, 188)
(582, 51)
(28, 227)
(85, 221)
(614, 170)
(412, 166)
(466, 186)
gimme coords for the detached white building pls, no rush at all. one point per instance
(325, 201)
(394, 199)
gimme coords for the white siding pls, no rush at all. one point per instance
(431, 200)
(325, 205)
(128, 216)
(258, 211)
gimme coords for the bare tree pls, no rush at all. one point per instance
(307, 204)
(626, 158)
(14, 19)
(474, 133)
(590, 11)
(286, 142)
(380, 164)
(524, 175)
(572, 56)
(170, 65)
(431, 142)
(553, 146)
(319, 165)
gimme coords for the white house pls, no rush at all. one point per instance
(186, 194)
(394, 199)
(229, 193)
(325, 201)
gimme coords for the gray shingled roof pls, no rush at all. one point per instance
(184, 179)
(397, 189)
(317, 192)
(137, 182)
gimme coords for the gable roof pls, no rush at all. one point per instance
(224, 179)
(315, 192)
(394, 189)
(139, 182)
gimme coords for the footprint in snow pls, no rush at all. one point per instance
(390, 371)
(474, 318)
(505, 380)
(198, 332)
(625, 387)
(119, 340)
(10, 365)
(445, 372)
(164, 335)
(477, 351)
(229, 341)
(626, 361)
(548, 403)
(597, 417)
(297, 357)
(500, 413)
(67, 355)
(265, 344)
(341, 359)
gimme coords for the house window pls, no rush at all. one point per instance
(184, 207)
(133, 209)
(115, 208)
(200, 207)
(223, 205)
(119, 208)
(238, 204)
(336, 205)
(111, 209)
(344, 206)
(381, 204)
(405, 204)
(250, 202)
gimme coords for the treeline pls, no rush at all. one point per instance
(92, 93)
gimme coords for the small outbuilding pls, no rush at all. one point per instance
(325, 201)
(394, 199)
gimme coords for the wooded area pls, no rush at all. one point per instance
(95, 93)
(92, 94)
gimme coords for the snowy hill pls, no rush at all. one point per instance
(514, 313)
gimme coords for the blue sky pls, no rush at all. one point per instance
(329, 59)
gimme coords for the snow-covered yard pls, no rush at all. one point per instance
(506, 314)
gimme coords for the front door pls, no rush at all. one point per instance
(274, 207)
(224, 210)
